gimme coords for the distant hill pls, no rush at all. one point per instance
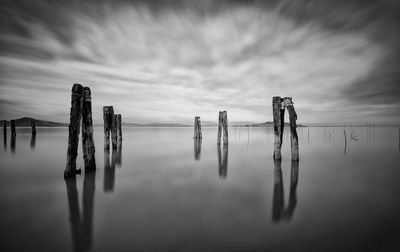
(265, 124)
(26, 122)
(155, 125)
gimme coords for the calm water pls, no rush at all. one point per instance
(162, 191)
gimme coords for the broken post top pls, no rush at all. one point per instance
(87, 94)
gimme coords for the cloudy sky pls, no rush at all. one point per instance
(168, 61)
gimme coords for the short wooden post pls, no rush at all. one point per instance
(197, 128)
(73, 136)
(119, 128)
(5, 133)
(225, 125)
(88, 148)
(279, 115)
(197, 148)
(277, 202)
(294, 140)
(13, 131)
(33, 125)
(109, 173)
(220, 125)
(108, 114)
(114, 128)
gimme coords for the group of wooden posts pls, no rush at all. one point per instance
(279, 105)
(81, 110)
(14, 133)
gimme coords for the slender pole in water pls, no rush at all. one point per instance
(119, 128)
(225, 125)
(220, 122)
(197, 128)
(88, 148)
(73, 135)
(294, 140)
(279, 115)
(345, 141)
(108, 114)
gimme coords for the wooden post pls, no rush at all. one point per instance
(197, 148)
(225, 125)
(119, 128)
(88, 148)
(73, 135)
(220, 125)
(13, 131)
(279, 115)
(197, 128)
(108, 114)
(33, 125)
(5, 133)
(114, 132)
(277, 202)
(294, 140)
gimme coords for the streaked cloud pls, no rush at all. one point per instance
(171, 60)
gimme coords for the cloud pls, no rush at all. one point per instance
(171, 60)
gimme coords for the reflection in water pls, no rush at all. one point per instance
(197, 148)
(118, 160)
(223, 163)
(81, 230)
(109, 173)
(33, 141)
(13, 143)
(278, 211)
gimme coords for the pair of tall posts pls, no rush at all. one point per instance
(113, 126)
(81, 109)
(278, 107)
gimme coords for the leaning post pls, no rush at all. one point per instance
(88, 148)
(279, 115)
(73, 135)
(294, 140)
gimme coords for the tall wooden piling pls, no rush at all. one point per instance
(114, 128)
(13, 131)
(119, 128)
(88, 148)
(197, 128)
(220, 125)
(225, 126)
(279, 115)
(294, 140)
(108, 114)
(33, 126)
(73, 136)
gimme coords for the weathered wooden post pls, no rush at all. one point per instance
(5, 133)
(119, 128)
(74, 123)
(114, 132)
(13, 131)
(225, 125)
(279, 115)
(88, 148)
(197, 128)
(33, 125)
(108, 114)
(294, 140)
(277, 203)
(220, 125)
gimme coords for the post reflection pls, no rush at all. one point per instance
(12, 145)
(81, 229)
(5, 140)
(109, 173)
(118, 160)
(278, 208)
(223, 162)
(33, 141)
(197, 148)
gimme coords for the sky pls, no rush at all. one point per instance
(168, 61)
